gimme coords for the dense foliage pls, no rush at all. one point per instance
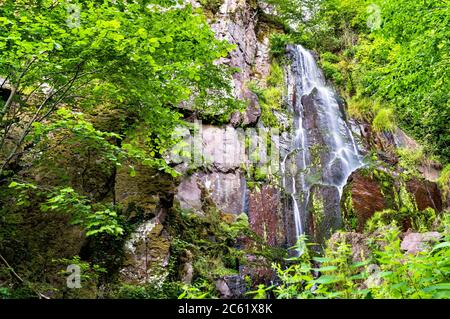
(383, 270)
(102, 84)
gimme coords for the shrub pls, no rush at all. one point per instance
(384, 121)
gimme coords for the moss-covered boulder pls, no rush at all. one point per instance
(366, 192)
(143, 191)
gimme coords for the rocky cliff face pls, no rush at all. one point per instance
(216, 169)
(225, 155)
(219, 170)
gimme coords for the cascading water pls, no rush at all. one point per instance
(323, 152)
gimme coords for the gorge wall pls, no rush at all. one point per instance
(291, 163)
(320, 180)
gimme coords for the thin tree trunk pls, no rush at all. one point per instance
(27, 128)
(16, 275)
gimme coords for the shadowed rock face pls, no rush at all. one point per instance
(323, 212)
(425, 193)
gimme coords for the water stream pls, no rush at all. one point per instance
(323, 150)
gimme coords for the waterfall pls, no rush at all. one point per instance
(323, 151)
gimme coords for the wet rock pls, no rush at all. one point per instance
(265, 214)
(426, 194)
(414, 243)
(336, 172)
(323, 213)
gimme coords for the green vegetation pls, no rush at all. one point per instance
(271, 95)
(380, 269)
(88, 87)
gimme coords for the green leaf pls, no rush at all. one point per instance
(325, 280)
(325, 269)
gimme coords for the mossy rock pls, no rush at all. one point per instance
(142, 192)
(367, 191)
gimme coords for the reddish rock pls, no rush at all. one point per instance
(425, 193)
(264, 214)
(259, 269)
(362, 198)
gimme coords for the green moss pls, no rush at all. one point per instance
(211, 5)
(409, 160)
(418, 220)
(169, 290)
(384, 121)
(271, 96)
(444, 182)
(316, 151)
(360, 108)
(348, 213)
(329, 57)
(406, 202)
(318, 210)
(332, 72)
(278, 42)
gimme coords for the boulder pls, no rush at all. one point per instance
(363, 196)
(223, 289)
(414, 243)
(426, 194)
(231, 287)
(143, 192)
